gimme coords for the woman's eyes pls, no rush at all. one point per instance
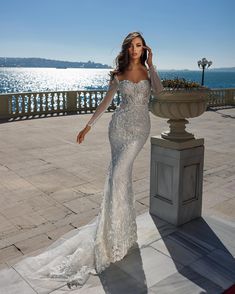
(136, 46)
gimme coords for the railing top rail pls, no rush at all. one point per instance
(58, 91)
(84, 90)
(222, 89)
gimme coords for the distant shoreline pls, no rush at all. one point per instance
(47, 63)
(159, 69)
(34, 62)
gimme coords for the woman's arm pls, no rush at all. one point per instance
(104, 104)
(156, 83)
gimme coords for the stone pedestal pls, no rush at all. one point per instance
(176, 179)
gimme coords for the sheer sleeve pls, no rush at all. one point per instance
(156, 83)
(104, 104)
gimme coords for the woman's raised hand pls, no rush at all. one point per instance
(150, 55)
(82, 133)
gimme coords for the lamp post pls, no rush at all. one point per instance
(202, 64)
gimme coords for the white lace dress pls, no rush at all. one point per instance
(108, 237)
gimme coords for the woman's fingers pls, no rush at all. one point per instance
(80, 137)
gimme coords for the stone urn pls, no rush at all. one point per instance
(177, 105)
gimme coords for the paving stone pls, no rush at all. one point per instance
(80, 205)
(58, 232)
(186, 281)
(18, 209)
(140, 208)
(200, 232)
(23, 192)
(92, 286)
(25, 234)
(212, 197)
(84, 218)
(144, 200)
(141, 195)
(218, 266)
(112, 280)
(3, 244)
(54, 180)
(35, 170)
(115, 280)
(67, 194)
(147, 264)
(34, 243)
(224, 231)
(152, 228)
(97, 197)
(6, 228)
(12, 283)
(54, 213)
(216, 169)
(33, 163)
(9, 253)
(3, 266)
(13, 182)
(28, 221)
(141, 185)
(178, 248)
(90, 188)
(226, 207)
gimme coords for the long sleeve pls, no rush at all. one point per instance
(156, 83)
(104, 104)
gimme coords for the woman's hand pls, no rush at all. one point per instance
(81, 135)
(150, 55)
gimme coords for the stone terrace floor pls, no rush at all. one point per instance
(50, 185)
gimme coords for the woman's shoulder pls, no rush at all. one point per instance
(116, 76)
(113, 78)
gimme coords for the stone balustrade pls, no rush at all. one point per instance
(29, 104)
(221, 97)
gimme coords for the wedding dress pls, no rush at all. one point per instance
(106, 238)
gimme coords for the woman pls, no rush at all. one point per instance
(108, 237)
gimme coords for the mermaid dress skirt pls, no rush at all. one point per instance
(107, 238)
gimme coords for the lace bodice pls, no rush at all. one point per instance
(140, 95)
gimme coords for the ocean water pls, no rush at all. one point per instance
(51, 79)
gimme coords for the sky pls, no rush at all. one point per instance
(179, 32)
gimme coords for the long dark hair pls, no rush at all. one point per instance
(122, 60)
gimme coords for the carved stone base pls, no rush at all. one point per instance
(176, 179)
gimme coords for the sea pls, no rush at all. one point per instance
(15, 80)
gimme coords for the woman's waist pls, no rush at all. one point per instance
(132, 111)
(131, 105)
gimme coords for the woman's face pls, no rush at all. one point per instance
(136, 48)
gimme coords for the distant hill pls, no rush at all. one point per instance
(42, 62)
(223, 69)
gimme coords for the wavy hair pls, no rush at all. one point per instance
(123, 59)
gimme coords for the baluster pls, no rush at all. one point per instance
(35, 103)
(64, 101)
(17, 104)
(96, 100)
(79, 102)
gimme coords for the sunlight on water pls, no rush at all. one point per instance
(51, 79)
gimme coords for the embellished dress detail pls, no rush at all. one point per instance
(106, 238)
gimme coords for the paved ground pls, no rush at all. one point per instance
(49, 185)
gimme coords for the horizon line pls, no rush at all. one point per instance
(46, 58)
